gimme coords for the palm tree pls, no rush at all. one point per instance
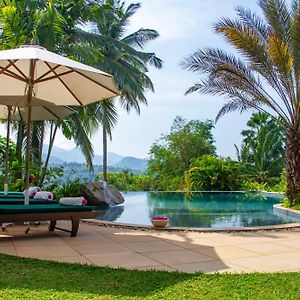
(265, 76)
(102, 44)
(262, 148)
(119, 56)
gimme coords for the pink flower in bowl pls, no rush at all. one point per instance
(159, 221)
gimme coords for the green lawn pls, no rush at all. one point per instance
(34, 279)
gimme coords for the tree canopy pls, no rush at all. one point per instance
(172, 154)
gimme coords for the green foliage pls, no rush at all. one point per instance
(127, 181)
(68, 189)
(210, 173)
(263, 148)
(14, 166)
(172, 154)
(250, 185)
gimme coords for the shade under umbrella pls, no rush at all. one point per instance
(39, 113)
(32, 73)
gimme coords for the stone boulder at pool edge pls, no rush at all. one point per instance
(96, 195)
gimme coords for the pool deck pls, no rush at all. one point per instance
(240, 252)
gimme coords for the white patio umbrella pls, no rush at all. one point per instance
(38, 113)
(31, 75)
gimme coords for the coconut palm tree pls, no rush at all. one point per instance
(121, 56)
(264, 76)
(101, 44)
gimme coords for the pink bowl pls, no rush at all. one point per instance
(159, 221)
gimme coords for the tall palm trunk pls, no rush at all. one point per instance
(53, 131)
(293, 166)
(40, 151)
(104, 154)
(19, 146)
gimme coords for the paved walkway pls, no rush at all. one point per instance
(144, 250)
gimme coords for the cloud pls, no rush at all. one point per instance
(167, 18)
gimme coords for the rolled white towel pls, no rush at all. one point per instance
(44, 195)
(79, 201)
(32, 191)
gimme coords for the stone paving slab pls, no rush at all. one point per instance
(159, 250)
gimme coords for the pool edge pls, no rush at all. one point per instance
(280, 227)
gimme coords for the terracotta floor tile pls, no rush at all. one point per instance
(267, 248)
(100, 249)
(207, 267)
(293, 257)
(4, 242)
(69, 259)
(151, 246)
(225, 252)
(196, 243)
(177, 257)
(45, 251)
(124, 260)
(265, 264)
(294, 243)
(38, 240)
(85, 240)
(155, 268)
(124, 238)
(10, 250)
(187, 252)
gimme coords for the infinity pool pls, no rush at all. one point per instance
(208, 209)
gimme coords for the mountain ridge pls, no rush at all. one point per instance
(60, 156)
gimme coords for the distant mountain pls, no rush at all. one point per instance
(60, 156)
(132, 163)
(112, 159)
(75, 155)
(54, 160)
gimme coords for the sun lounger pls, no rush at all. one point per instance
(13, 200)
(46, 212)
(15, 195)
(20, 201)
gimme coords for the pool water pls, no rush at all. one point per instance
(207, 209)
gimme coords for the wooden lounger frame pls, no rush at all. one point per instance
(74, 216)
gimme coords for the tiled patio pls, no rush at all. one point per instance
(143, 250)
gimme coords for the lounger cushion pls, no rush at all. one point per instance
(11, 200)
(41, 208)
(13, 193)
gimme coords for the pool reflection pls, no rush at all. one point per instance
(197, 209)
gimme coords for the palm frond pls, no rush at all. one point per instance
(141, 37)
(278, 16)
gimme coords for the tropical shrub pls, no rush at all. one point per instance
(210, 173)
(67, 189)
(262, 148)
(172, 154)
(128, 181)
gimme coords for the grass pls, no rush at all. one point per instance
(33, 279)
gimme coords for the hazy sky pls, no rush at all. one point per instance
(184, 27)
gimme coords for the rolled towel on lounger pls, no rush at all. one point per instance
(43, 195)
(33, 190)
(79, 201)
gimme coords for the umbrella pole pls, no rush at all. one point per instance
(29, 105)
(7, 150)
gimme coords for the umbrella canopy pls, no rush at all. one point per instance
(38, 113)
(31, 75)
(55, 78)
